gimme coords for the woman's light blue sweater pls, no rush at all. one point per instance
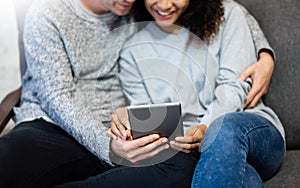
(158, 67)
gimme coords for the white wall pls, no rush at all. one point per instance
(9, 60)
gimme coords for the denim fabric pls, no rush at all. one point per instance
(239, 150)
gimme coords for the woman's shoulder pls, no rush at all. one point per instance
(234, 17)
(232, 7)
(143, 34)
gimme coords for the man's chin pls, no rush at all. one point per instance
(121, 12)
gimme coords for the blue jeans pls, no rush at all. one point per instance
(239, 150)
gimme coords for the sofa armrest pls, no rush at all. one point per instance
(7, 105)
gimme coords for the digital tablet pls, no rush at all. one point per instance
(164, 119)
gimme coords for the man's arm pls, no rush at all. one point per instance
(54, 83)
(260, 72)
(260, 41)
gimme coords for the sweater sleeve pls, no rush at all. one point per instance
(132, 81)
(55, 86)
(260, 41)
(236, 52)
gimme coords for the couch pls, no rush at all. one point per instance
(280, 20)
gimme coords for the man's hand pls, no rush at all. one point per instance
(125, 147)
(191, 140)
(261, 74)
(139, 149)
(120, 127)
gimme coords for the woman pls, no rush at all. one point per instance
(241, 147)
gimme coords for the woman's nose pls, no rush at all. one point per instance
(164, 4)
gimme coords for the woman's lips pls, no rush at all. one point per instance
(164, 14)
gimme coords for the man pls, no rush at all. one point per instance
(70, 90)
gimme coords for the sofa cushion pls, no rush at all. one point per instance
(289, 173)
(280, 21)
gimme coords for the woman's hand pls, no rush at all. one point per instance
(139, 149)
(191, 140)
(261, 74)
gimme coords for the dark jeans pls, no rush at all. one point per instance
(176, 172)
(40, 154)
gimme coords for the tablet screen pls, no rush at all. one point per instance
(164, 119)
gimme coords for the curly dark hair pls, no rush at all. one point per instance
(202, 17)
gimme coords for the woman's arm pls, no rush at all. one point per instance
(236, 53)
(131, 79)
(122, 144)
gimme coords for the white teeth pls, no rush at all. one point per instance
(164, 13)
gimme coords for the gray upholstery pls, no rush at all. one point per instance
(289, 173)
(280, 21)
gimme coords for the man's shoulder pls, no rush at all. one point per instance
(47, 7)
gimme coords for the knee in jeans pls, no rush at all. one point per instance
(226, 124)
(225, 128)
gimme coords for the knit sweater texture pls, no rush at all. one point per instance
(71, 79)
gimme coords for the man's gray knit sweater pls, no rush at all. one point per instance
(71, 78)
